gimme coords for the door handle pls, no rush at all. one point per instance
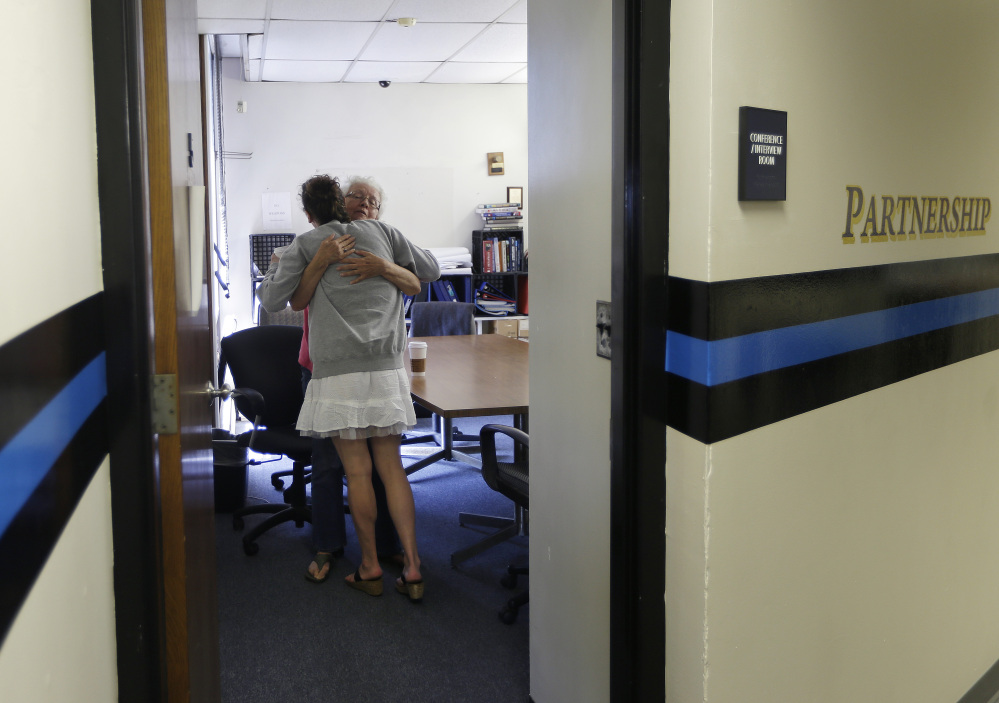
(224, 392)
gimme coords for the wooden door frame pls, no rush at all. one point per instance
(640, 243)
(135, 500)
(136, 194)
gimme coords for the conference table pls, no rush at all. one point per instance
(470, 375)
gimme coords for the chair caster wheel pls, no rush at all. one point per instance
(237, 523)
(509, 581)
(277, 483)
(250, 548)
(508, 615)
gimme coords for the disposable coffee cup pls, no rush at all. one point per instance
(418, 358)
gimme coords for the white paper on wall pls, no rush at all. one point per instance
(277, 211)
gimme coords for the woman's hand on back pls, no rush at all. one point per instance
(335, 249)
(363, 265)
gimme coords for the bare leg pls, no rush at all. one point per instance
(388, 463)
(361, 497)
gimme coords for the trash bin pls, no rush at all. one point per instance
(230, 472)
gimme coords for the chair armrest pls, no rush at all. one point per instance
(490, 463)
(249, 402)
(487, 443)
(487, 436)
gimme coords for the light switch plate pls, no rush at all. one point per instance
(604, 329)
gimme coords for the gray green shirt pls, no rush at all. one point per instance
(352, 327)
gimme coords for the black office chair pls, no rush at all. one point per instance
(263, 362)
(285, 317)
(437, 319)
(512, 479)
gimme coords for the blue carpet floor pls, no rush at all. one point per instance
(286, 639)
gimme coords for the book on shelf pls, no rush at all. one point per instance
(512, 215)
(487, 211)
(493, 206)
(502, 226)
(487, 255)
(501, 254)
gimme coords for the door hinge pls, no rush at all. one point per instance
(165, 403)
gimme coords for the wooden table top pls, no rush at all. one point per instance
(473, 375)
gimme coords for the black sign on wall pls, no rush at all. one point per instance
(762, 154)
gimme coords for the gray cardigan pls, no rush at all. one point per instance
(357, 327)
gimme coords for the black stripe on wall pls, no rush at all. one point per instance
(729, 409)
(37, 364)
(984, 690)
(725, 309)
(714, 311)
(34, 367)
(26, 544)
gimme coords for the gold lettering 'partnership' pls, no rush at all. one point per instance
(900, 218)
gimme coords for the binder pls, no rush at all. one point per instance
(444, 290)
(448, 286)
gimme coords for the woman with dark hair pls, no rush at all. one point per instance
(363, 201)
(359, 392)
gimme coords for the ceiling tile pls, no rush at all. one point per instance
(504, 43)
(317, 41)
(304, 71)
(516, 14)
(397, 72)
(228, 46)
(245, 9)
(424, 42)
(454, 72)
(230, 26)
(340, 10)
(255, 46)
(451, 10)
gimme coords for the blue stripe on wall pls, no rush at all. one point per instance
(721, 361)
(27, 458)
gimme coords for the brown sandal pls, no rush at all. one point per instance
(412, 589)
(373, 587)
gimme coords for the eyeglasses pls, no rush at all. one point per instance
(370, 199)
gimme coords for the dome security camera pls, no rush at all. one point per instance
(384, 84)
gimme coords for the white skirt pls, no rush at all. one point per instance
(358, 405)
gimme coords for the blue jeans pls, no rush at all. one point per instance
(329, 531)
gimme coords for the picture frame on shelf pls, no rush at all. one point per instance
(515, 194)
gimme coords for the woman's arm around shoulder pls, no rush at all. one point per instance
(409, 256)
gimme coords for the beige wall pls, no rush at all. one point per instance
(569, 104)
(846, 554)
(425, 144)
(63, 641)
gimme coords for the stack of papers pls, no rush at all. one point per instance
(453, 259)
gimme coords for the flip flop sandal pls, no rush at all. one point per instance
(373, 587)
(321, 559)
(412, 589)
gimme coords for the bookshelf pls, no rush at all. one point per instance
(511, 283)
